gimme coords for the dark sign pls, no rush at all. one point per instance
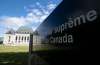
(73, 30)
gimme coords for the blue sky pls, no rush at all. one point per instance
(16, 13)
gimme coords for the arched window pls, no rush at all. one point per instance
(27, 38)
(16, 38)
(22, 38)
(9, 38)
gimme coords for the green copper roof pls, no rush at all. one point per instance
(24, 29)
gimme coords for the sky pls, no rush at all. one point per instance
(30, 13)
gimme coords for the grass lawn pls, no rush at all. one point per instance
(5, 49)
(13, 55)
(18, 55)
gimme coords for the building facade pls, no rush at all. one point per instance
(21, 37)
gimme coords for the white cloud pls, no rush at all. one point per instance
(30, 14)
(43, 17)
(37, 12)
(37, 3)
(12, 22)
(51, 6)
(33, 16)
(34, 28)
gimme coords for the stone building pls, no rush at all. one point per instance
(21, 37)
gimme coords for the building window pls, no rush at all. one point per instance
(9, 38)
(27, 38)
(22, 38)
(16, 38)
